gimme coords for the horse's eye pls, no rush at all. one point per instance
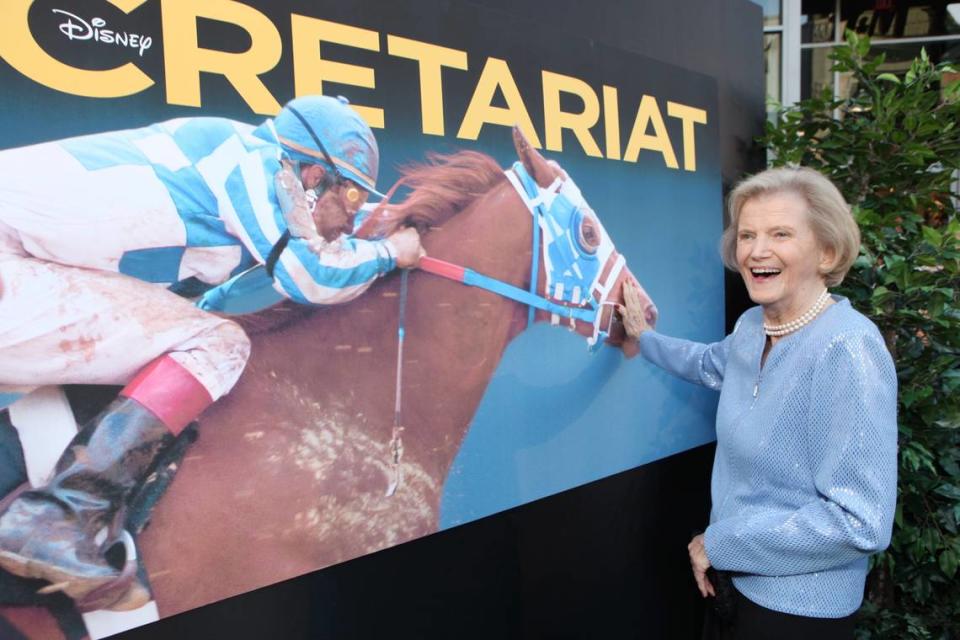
(588, 235)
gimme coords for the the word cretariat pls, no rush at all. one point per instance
(185, 60)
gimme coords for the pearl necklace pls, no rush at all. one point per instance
(779, 330)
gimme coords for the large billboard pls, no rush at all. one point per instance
(337, 441)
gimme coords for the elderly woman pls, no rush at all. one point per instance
(804, 479)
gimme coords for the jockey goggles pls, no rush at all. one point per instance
(334, 177)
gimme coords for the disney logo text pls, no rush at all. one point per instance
(76, 28)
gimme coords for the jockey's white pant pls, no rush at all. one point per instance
(68, 325)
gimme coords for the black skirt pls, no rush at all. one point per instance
(750, 621)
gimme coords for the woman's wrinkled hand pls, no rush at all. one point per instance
(632, 311)
(700, 563)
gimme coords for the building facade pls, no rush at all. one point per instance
(800, 34)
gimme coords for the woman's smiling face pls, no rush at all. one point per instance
(778, 254)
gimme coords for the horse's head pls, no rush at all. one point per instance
(581, 267)
(577, 271)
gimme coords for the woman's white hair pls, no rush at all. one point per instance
(830, 218)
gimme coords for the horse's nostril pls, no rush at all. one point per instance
(116, 555)
(652, 314)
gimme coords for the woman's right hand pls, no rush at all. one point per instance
(699, 563)
(632, 311)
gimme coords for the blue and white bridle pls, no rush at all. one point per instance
(574, 263)
(581, 267)
(580, 262)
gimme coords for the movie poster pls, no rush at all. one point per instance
(372, 408)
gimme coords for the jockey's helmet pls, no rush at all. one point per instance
(321, 129)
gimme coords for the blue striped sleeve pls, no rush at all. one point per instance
(252, 203)
(331, 276)
(336, 274)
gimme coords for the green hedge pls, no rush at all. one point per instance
(893, 148)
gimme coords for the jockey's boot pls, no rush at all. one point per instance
(68, 531)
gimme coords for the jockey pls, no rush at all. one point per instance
(99, 232)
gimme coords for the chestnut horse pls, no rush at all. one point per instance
(291, 470)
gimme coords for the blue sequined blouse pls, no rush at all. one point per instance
(805, 475)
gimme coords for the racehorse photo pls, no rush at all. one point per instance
(339, 436)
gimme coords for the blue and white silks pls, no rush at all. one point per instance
(187, 198)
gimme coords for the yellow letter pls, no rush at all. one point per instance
(184, 59)
(555, 120)
(495, 74)
(689, 116)
(310, 71)
(611, 121)
(431, 58)
(649, 113)
(21, 51)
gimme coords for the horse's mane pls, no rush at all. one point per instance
(440, 187)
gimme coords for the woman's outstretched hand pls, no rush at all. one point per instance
(632, 312)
